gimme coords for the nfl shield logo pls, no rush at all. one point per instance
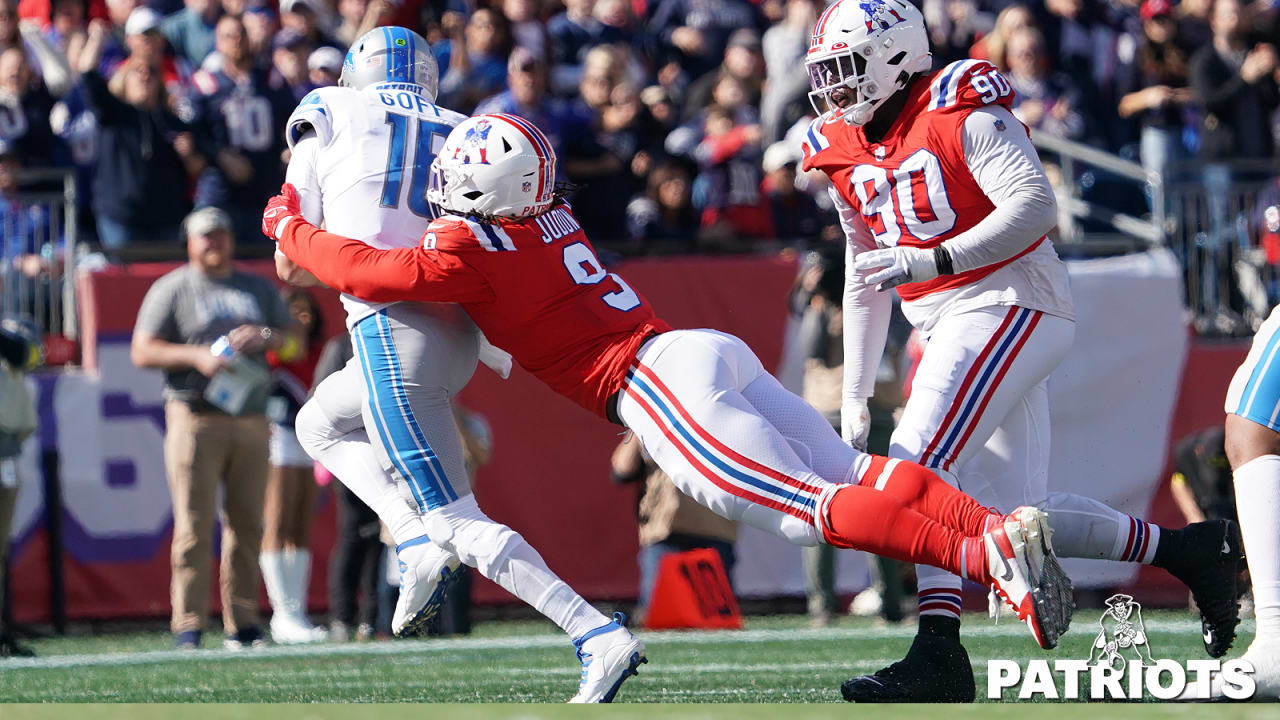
(526, 186)
(999, 124)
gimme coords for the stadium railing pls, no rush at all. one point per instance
(39, 236)
(1221, 220)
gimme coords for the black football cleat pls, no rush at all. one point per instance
(936, 669)
(1207, 560)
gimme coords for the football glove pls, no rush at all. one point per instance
(855, 422)
(890, 267)
(279, 211)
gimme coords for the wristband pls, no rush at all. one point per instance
(942, 260)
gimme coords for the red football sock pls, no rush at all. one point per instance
(920, 489)
(866, 519)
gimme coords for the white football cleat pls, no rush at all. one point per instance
(427, 571)
(1026, 574)
(286, 629)
(609, 655)
(1265, 659)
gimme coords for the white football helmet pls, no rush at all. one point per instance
(494, 165)
(863, 51)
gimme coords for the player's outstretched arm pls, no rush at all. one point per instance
(866, 327)
(355, 268)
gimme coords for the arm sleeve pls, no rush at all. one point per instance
(1005, 165)
(302, 174)
(375, 275)
(866, 311)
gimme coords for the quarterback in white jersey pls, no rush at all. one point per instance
(384, 425)
(942, 196)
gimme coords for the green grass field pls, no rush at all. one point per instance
(775, 660)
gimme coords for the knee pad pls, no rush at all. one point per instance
(462, 528)
(313, 428)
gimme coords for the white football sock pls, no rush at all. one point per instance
(505, 557)
(1086, 528)
(273, 576)
(1258, 506)
(351, 458)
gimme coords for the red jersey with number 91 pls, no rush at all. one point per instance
(914, 187)
(534, 287)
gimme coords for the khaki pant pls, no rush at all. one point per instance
(203, 451)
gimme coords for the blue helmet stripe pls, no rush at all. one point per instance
(386, 38)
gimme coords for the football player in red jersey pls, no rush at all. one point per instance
(942, 196)
(513, 256)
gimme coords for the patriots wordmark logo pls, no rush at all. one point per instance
(879, 15)
(474, 142)
(1120, 667)
(1122, 633)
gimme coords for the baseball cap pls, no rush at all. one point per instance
(325, 58)
(296, 5)
(206, 220)
(779, 155)
(522, 59)
(142, 20)
(1155, 8)
(745, 37)
(287, 38)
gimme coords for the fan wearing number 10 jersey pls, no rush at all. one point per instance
(727, 433)
(384, 424)
(942, 196)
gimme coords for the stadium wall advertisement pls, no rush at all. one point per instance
(1132, 384)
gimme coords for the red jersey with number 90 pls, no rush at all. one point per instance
(914, 187)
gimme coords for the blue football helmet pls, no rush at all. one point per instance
(390, 54)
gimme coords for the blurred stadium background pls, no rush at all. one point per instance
(677, 119)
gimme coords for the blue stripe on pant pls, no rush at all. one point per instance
(397, 428)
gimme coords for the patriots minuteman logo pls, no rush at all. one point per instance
(879, 14)
(1122, 632)
(474, 142)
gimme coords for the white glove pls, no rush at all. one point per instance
(891, 267)
(855, 422)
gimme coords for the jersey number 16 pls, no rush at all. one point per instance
(427, 139)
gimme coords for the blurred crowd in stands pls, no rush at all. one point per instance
(677, 119)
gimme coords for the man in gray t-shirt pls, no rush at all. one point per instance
(183, 314)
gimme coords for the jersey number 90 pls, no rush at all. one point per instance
(910, 199)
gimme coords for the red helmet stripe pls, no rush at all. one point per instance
(821, 26)
(541, 146)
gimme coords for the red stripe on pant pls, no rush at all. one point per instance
(709, 474)
(991, 389)
(708, 438)
(964, 386)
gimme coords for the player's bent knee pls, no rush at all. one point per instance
(1246, 441)
(314, 429)
(463, 529)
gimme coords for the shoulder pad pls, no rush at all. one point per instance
(969, 84)
(814, 142)
(313, 113)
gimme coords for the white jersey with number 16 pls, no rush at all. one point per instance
(361, 160)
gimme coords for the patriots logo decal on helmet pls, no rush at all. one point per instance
(880, 14)
(474, 142)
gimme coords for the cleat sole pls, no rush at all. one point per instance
(417, 625)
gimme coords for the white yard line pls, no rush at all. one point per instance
(532, 642)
